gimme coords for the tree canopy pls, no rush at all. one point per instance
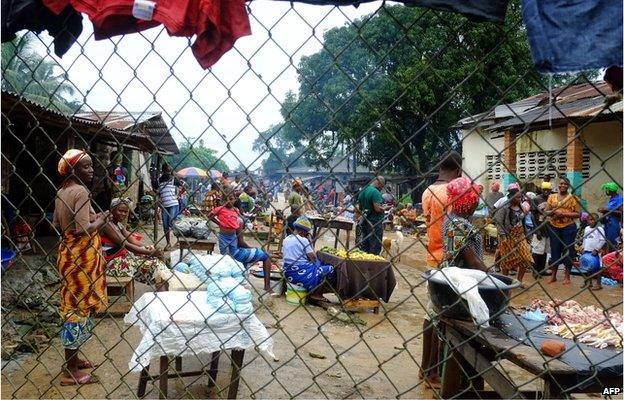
(198, 156)
(390, 86)
(36, 77)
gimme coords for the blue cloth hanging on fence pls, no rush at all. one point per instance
(568, 36)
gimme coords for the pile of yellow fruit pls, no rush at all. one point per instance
(355, 254)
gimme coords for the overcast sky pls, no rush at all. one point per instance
(166, 75)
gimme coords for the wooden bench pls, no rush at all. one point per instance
(120, 291)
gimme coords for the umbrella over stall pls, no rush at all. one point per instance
(215, 174)
(191, 172)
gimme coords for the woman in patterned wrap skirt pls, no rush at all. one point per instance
(80, 263)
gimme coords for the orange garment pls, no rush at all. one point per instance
(434, 201)
(570, 203)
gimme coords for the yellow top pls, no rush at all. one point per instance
(570, 203)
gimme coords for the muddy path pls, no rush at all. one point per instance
(377, 359)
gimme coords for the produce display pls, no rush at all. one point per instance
(355, 254)
(590, 325)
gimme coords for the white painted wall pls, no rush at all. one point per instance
(604, 139)
(476, 145)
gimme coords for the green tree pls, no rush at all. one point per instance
(391, 86)
(197, 156)
(38, 78)
(281, 153)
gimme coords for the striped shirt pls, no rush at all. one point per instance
(167, 192)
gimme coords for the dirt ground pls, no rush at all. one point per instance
(377, 359)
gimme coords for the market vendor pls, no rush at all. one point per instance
(124, 251)
(80, 263)
(296, 204)
(302, 268)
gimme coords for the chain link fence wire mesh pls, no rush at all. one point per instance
(303, 117)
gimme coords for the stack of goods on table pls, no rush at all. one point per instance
(192, 227)
(354, 254)
(568, 319)
(224, 278)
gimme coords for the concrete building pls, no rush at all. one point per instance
(575, 131)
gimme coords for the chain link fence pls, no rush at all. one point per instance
(361, 119)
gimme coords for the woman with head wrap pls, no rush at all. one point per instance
(494, 195)
(612, 214)
(80, 262)
(562, 209)
(124, 252)
(463, 245)
(301, 267)
(513, 249)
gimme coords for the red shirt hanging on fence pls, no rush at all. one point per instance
(217, 23)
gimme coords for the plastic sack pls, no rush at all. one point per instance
(245, 309)
(240, 295)
(608, 281)
(182, 267)
(535, 315)
(220, 305)
(467, 287)
(199, 271)
(182, 227)
(200, 231)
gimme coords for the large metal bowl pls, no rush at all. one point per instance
(449, 304)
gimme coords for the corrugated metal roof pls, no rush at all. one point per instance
(574, 101)
(558, 112)
(118, 120)
(146, 122)
(15, 106)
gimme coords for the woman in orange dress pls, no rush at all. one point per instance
(80, 262)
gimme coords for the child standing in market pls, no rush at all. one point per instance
(593, 242)
(228, 218)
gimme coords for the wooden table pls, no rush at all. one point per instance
(174, 325)
(473, 355)
(163, 374)
(336, 224)
(189, 243)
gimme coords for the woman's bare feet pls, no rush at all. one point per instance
(566, 281)
(77, 378)
(552, 280)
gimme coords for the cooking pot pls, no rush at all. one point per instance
(449, 304)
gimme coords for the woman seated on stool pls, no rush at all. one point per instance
(124, 252)
(301, 267)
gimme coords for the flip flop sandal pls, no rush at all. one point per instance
(85, 380)
(595, 288)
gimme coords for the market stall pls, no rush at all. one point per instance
(182, 324)
(361, 282)
(333, 223)
(571, 348)
(578, 370)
